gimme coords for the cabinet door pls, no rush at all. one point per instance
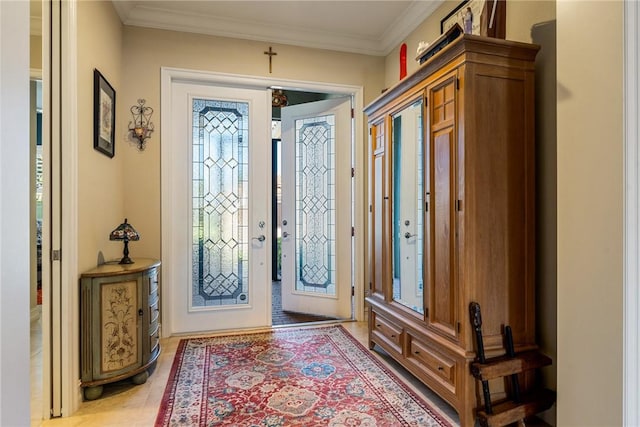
(118, 302)
(379, 199)
(441, 189)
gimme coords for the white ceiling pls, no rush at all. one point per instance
(367, 27)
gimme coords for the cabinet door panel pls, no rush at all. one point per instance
(442, 287)
(378, 194)
(118, 328)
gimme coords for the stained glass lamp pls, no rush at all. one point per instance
(125, 232)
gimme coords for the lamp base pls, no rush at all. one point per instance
(125, 254)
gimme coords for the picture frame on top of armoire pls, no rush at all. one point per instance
(479, 17)
(104, 115)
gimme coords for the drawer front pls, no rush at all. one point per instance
(388, 331)
(154, 341)
(432, 361)
(154, 314)
(153, 282)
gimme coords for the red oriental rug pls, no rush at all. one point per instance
(287, 377)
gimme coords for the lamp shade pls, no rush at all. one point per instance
(125, 232)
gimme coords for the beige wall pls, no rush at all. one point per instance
(35, 52)
(145, 51)
(522, 15)
(428, 31)
(590, 212)
(101, 182)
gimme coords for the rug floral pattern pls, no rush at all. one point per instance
(291, 377)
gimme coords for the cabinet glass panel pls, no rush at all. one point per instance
(408, 200)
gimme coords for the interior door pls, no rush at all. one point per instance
(316, 208)
(221, 225)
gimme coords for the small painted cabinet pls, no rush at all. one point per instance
(119, 323)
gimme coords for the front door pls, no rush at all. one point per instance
(220, 208)
(316, 208)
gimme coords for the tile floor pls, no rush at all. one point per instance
(125, 404)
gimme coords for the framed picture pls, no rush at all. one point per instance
(104, 115)
(479, 17)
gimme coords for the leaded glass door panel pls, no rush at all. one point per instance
(222, 183)
(316, 208)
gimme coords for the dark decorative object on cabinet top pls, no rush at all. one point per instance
(479, 17)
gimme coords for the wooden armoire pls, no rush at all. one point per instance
(452, 192)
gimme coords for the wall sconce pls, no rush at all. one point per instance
(126, 233)
(141, 126)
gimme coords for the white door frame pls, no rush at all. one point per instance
(169, 74)
(60, 300)
(631, 274)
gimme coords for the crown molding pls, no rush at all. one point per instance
(137, 14)
(413, 16)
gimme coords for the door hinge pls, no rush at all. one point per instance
(458, 326)
(459, 205)
(352, 113)
(370, 208)
(426, 206)
(353, 291)
(353, 172)
(426, 311)
(457, 83)
(56, 255)
(369, 131)
(353, 231)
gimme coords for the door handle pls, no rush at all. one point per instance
(285, 234)
(408, 235)
(260, 238)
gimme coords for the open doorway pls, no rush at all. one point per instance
(36, 185)
(180, 85)
(36, 216)
(318, 247)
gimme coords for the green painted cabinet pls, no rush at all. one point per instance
(119, 323)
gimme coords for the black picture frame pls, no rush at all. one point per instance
(452, 17)
(104, 115)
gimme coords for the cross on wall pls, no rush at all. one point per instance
(271, 54)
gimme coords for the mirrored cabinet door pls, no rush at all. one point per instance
(407, 198)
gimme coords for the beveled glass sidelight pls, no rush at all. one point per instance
(220, 203)
(407, 210)
(315, 205)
